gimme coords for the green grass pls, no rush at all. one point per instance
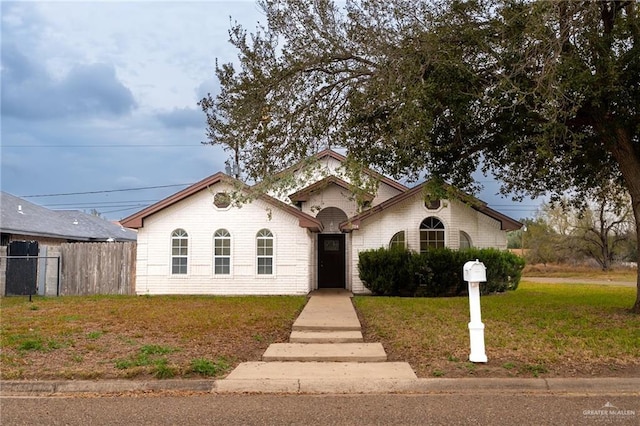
(133, 337)
(34, 344)
(206, 367)
(537, 329)
(94, 335)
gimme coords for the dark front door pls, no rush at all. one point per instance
(331, 261)
(22, 268)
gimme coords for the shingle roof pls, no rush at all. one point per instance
(22, 217)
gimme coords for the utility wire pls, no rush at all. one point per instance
(105, 146)
(105, 191)
(97, 203)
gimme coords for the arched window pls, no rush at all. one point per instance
(431, 234)
(179, 251)
(465, 241)
(221, 252)
(398, 240)
(264, 252)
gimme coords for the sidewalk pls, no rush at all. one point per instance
(326, 355)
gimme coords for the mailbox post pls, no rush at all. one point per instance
(474, 273)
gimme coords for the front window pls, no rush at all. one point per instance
(179, 251)
(222, 252)
(465, 241)
(264, 246)
(398, 240)
(431, 234)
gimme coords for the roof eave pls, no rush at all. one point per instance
(136, 220)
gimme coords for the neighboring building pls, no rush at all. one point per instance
(22, 220)
(36, 233)
(197, 242)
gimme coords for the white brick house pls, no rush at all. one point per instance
(194, 242)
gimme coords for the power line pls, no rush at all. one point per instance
(97, 203)
(124, 209)
(105, 191)
(105, 146)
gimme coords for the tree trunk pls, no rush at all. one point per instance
(636, 214)
(628, 157)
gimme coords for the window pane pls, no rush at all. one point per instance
(265, 247)
(264, 233)
(431, 223)
(465, 241)
(265, 266)
(222, 233)
(179, 233)
(222, 266)
(222, 247)
(397, 240)
(179, 265)
(331, 245)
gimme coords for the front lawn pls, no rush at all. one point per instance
(138, 336)
(545, 330)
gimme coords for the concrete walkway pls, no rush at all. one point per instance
(325, 347)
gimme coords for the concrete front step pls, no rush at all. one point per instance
(321, 336)
(328, 312)
(335, 352)
(322, 370)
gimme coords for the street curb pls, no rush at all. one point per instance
(56, 387)
(587, 386)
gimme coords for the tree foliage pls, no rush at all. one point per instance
(599, 229)
(544, 94)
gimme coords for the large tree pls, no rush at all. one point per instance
(543, 94)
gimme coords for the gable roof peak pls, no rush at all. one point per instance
(328, 152)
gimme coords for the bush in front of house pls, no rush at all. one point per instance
(436, 273)
(387, 272)
(443, 278)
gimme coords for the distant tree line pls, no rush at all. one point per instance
(600, 229)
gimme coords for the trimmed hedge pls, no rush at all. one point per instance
(436, 273)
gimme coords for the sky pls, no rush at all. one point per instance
(99, 101)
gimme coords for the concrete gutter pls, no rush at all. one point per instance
(555, 386)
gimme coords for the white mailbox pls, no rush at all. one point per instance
(474, 272)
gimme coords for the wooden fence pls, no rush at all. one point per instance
(98, 268)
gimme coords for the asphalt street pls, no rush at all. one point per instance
(230, 410)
